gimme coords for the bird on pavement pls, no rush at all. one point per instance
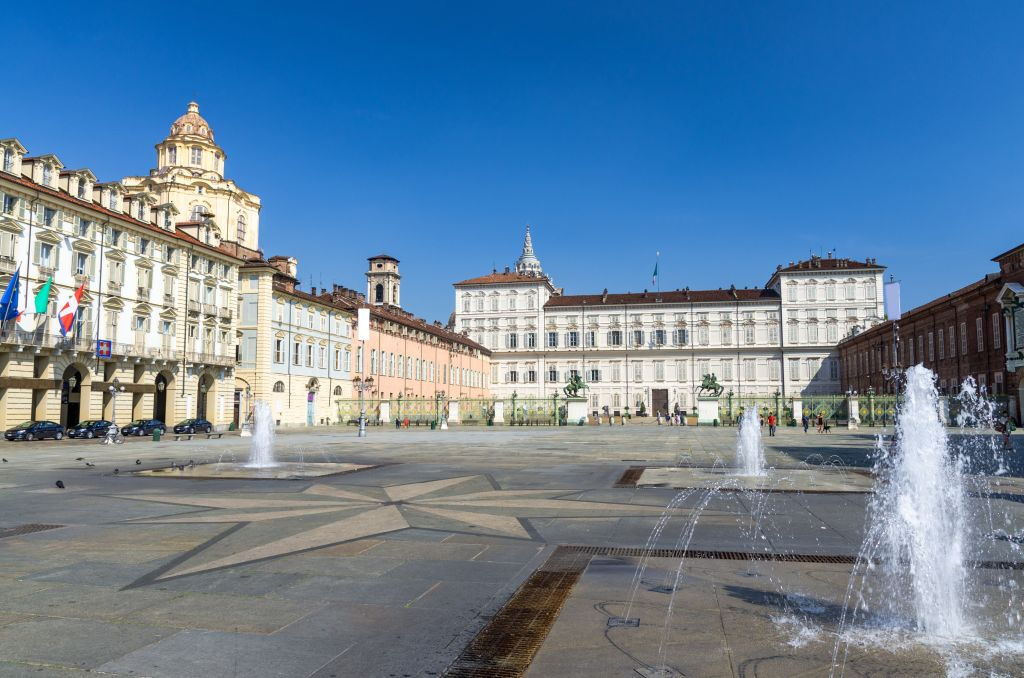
(79, 458)
(60, 484)
(89, 464)
(5, 460)
(138, 461)
(116, 471)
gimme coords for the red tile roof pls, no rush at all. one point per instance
(502, 278)
(667, 297)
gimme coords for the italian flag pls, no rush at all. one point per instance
(29, 321)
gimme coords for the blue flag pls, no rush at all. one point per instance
(9, 302)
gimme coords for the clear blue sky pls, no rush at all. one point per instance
(730, 136)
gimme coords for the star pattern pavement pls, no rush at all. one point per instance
(272, 524)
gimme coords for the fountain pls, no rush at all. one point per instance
(262, 449)
(749, 448)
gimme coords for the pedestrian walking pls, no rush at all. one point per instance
(398, 423)
(771, 425)
(821, 423)
(805, 420)
(659, 417)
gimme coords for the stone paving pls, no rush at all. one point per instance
(391, 568)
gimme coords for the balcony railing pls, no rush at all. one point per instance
(81, 278)
(46, 270)
(211, 358)
(210, 309)
(83, 341)
(226, 312)
(114, 286)
(143, 292)
(168, 298)
(193, 306)
(8, 264)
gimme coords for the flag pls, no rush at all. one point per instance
(654, 276)
(9, 302)
(43, 297)
(892, 301)
(67, 308)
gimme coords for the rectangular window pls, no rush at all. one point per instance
(920, 348)
(682, 337)
(979, 328)
(530, 339)
(323, 357)
(553, 374)
(615, 338)
(638, 337)
(750, 366)
(748, 334)
(773, 370)
(279, 350)
(812, 333)
(833, 369)
(296, 353)
(963, 338)
(552, 339)
(590, 339)
(931, 346)
(638, 372)
(996, 332)
(726, 335)
(791, 293)
(794, 368)
(942, 344)
(572, 339)
(703, 368)
(773, 334)
(49, 216)
(512, 340)
(616, 372)
(659, 337)
(593, 376)
(197, 155)
(659, 370)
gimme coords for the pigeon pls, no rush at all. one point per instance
(79, 458)
(5, 460)
(89, 464)
(116, 471)
(138, 461)
(60, 484)
(191, 463)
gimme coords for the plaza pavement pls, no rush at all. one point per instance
(394, 568)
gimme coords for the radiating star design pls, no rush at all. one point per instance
(272, 524)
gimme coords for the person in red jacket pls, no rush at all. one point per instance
(771, 424)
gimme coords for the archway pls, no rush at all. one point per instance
(160, 398)
(203, 395)
(71, 396)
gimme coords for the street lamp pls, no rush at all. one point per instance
(362, 385)
(114, 388)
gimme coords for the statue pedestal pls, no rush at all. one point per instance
(453, 411)
(444, 424)
(576, 409)
(707, 410)
(499, 412)
(385, 412)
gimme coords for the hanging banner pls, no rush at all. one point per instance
(363, 327)
(892, 301)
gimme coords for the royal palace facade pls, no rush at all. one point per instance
(159, 266)
(654, 348)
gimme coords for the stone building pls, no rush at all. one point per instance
(654, 347)
(297, 349)
(959, 335)
(163, 296)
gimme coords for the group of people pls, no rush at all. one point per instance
(674, 419)
(822, 425)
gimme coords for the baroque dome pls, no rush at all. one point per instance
(192, 123)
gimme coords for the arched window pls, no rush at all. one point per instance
(278, 387)
(337, 390)
(378, 294)
(47, 175)
(241, 227)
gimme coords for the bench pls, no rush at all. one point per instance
(213, 435)
(186, 436)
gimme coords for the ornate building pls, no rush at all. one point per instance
(189, 175)
(162, 298)
(655, 347)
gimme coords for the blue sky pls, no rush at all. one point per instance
(730, 136)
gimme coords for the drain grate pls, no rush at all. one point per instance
(506, 646)
(630, 477)
(628, 552)
(28, 528)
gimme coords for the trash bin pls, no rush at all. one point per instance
(433, 425)
(156, 435)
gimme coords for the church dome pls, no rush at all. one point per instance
(192, 123)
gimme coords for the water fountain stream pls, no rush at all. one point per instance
(262, 450)
(749, 448)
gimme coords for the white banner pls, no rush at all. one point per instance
(892, 300)
(363, 327)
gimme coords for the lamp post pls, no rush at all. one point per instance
(113, 431)
(362, 385)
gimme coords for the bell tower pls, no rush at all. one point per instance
(383, 282)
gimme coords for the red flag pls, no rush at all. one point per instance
(68, 309)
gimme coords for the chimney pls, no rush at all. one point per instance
(604, 296)
(506, 269)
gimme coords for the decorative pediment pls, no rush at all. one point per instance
(279, 335)
(113, 303)
(169, 314)
(143, 263)
(114, 255)
(170, 269)
(10, 225)
(47, 236)
(143, 309)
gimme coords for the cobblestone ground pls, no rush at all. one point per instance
(391, 563)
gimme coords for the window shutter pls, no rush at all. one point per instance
(36, 249)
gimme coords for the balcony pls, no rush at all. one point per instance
(210, 358)
(143, 292)
(46, 270)
(210, 309)
(226, 312)
(81, 278)
(79, 341)
(114, 287)
(8, 264)
(168, 298)
(193, 306)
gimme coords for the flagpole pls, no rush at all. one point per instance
(17, 281)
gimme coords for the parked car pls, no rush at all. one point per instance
(90, 428)
(144, 427)
(194, 426)
(35, 430)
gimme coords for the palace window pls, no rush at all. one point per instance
(749, 369)
(47, 175)
(172, 155)
(638, 337)
(659, 337)
(511, 340)
(530, 340)
(8, 160)
(996, 334)
(638, 372)
(703, 335)
(279, 350)
(594, 376)
(240, 227)
(812, 333)
(748, 334)
(979, 328)
(553, 374)
(572, 339)
(682, 337)
(963, 338)
(296, 353)
(278, 387)
(615, 338)
(197, 156)
(552, 339)
(659, 370)
(531, 376)
(10, 203)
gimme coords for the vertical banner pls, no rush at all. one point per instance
(363, 327)
(892, 300)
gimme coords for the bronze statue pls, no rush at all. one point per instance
(573, 388)
(710, 387)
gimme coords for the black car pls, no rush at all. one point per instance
(144, 427)
(194, 426)
(90, 428)
(35, 430)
